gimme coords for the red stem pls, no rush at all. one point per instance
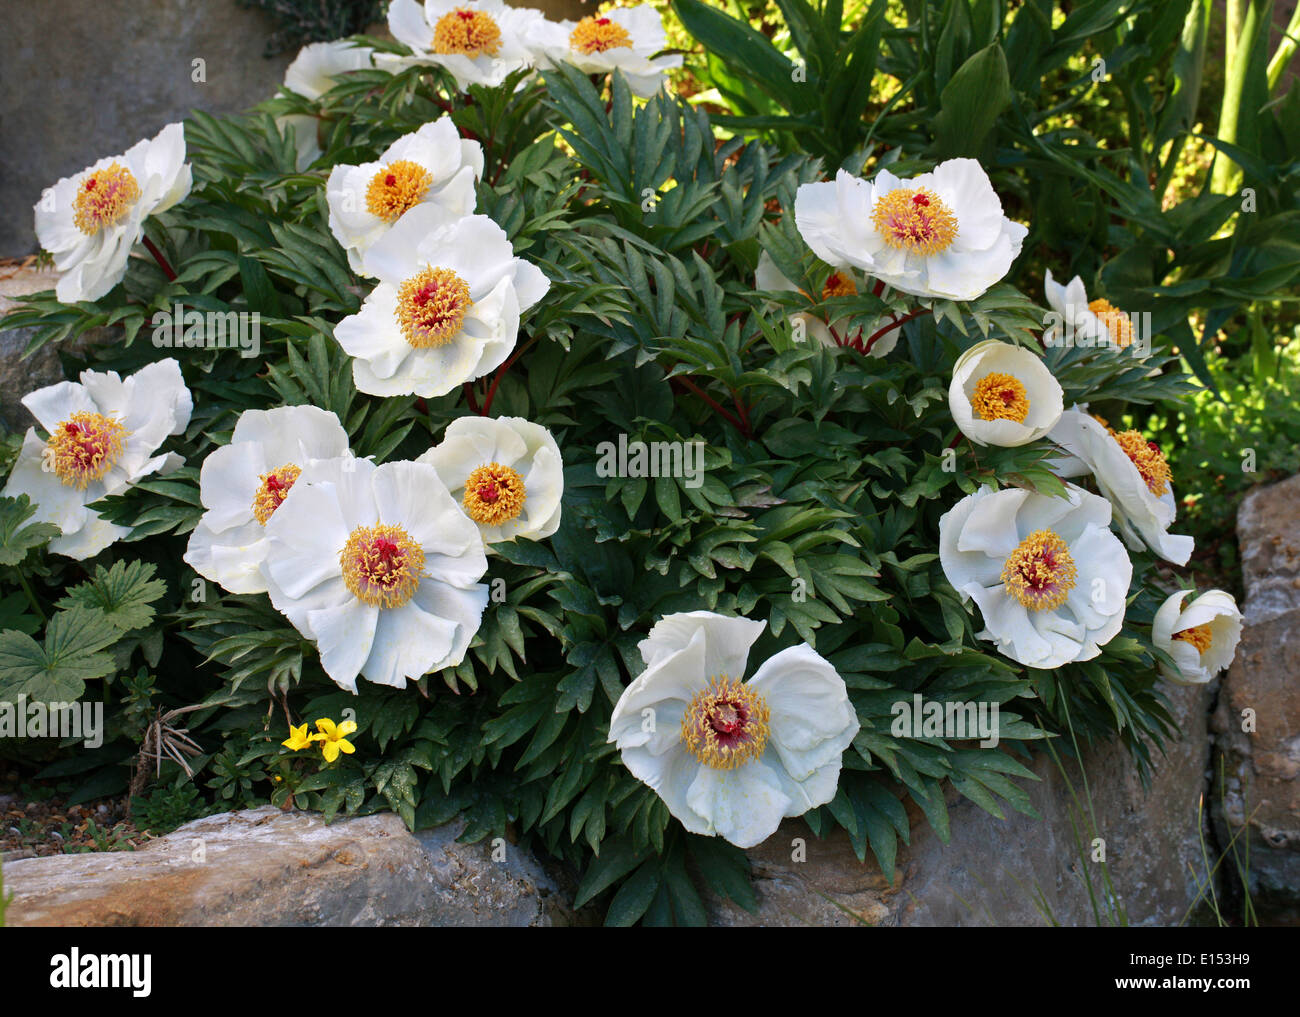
(471, 398)
(501, 373)
(866, 348)
(713, 403)
(744, 415)
(158, 257)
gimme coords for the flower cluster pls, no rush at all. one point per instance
(484, 42)
(380, 566)
(332, 738)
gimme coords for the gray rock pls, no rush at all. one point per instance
(1017, 871)
(87, 80)
(1261, 767)
(266, 867)
(19, 374)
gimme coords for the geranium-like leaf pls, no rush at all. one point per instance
(16, 539)
(125, 594)
(57, 670)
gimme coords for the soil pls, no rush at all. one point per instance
(36, 821)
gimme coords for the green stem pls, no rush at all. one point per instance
(31, 596)
(1243, 29)
(1285, 50)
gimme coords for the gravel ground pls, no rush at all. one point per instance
(36, 821)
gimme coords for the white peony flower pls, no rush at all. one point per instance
(314, 72)
(103, 434)
(624, 39)
(1091, 323)
(1050, 578)
(941, 234)
(506, 472)
(840, 283)
(1133, 474)
(479, 42)
(243, 483)
(1003, 394)
(431, 166)
(378, 566)
(446, 309)
(1201, 637)
(90, 222)
(732, 758)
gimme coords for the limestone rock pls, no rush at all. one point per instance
(18, 374)
(266, 867)
(1015, 871)
(1262, 767)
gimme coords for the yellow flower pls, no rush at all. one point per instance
(298, 738)
(333, 738)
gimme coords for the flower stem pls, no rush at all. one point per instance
(899, 323)
(717, 408)
(501, 373)
(158, 257)
(31, 596)
(471, 397)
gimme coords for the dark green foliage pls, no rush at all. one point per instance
(302, 21)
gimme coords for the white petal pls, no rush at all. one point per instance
(726, 641)
(812, 720)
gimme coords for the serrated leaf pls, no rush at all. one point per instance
(124, 593)
(57, 671)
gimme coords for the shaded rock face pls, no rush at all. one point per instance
(18, 374)
(1019, 870)
(1262, 689)
(87, 80)
(266, 867)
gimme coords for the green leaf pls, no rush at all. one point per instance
(58, 670)
(125, 594)
(635, 896)
(971, 102)
(15, 538)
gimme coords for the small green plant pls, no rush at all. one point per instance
(166, 808)
(5, 898)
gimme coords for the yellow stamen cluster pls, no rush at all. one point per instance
(272, 489)
(1040, 573)
(397, 188)
(1000, 397)
(84, 448)
(431, 306)
(838, 285)
(1117, 323)
(382, 565)
(466, 32)
(596, 35)
(1148, 458)
(494, 494)
(1198, 635)
(726, 724)
(916, 220)
(104, 197)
